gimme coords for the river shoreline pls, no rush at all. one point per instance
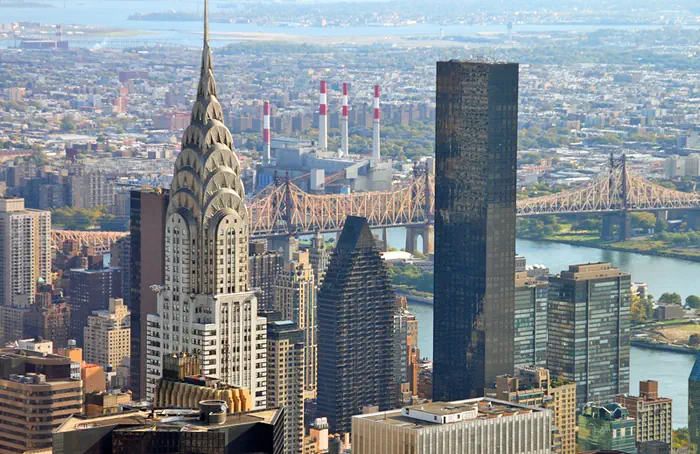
(607, 247)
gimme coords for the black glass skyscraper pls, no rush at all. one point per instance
(476, 147)
(356, 306)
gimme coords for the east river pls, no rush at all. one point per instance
(661, 274)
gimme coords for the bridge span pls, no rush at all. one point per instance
(285, 209)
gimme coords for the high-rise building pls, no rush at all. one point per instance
(530, 321)
(295, 300)
(356, 306)
(146, 268)
(108, 335)
(49, 320)
(607, 427)
(90, 290)
(533, 387)
(319, 257)
(694, 406)
(205, 305)
(475, 187)
(285, 379)
(25, 251)
(483, 426)
(589, 331)
(652, 413)
(263, 268)
(37, 395)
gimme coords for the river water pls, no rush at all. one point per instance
(662, 274)
(115, 13)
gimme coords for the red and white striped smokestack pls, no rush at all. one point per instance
(323, 118)
(344, 146)
(266, 133)
(376, 144)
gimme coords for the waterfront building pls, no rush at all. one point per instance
(108, 335)
(146, 267)
(652, 413)
(205, 305)
(607, 427)
(295, 300)
(37, 395)
(90, 290)
(25, 251)
(319, 257)
(694, 406)
(530, 347)
(482, 426)
(263, 267)
(285, 379)
(533, 387)
(475, 187)
(589, 331)
(356, 306)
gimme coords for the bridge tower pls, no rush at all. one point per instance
(618, 181)
(427, 230)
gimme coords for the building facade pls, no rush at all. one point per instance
(37, 395)
(285, 379)
(91, 290)
(356, 306)
(652, 413)
(108, 335)
(589, 331)
(482, 426)
(533, 387)
(694, 406)
(319, 257)
(146, 268)
(49, 320)
(205, 305)
(263, 268)
(295, 300)
(530, 347)
(475, 186)
(608, 428)
(25, 251)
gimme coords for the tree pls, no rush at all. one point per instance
(693, 301)
(670, 298)
(641, 309)
(660, 225)
(67, 123)
(644, 220)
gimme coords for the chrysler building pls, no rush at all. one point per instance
(205, 307)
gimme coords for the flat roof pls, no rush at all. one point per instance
(487, 409)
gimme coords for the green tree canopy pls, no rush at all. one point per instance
(693, 301)
(670, 298)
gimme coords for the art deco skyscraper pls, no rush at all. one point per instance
(356, 307)
(205, 306)
(476, 146)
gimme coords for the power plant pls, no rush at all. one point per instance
(313, 166)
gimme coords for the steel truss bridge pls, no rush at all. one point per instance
(285, 209)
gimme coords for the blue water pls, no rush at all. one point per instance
(115, 13)
(661, 274)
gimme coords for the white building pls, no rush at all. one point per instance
(205, 306)
(25, 251)
(474, 426)
(108, 335)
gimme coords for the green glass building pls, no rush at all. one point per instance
(606, 428)
(588, 325)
